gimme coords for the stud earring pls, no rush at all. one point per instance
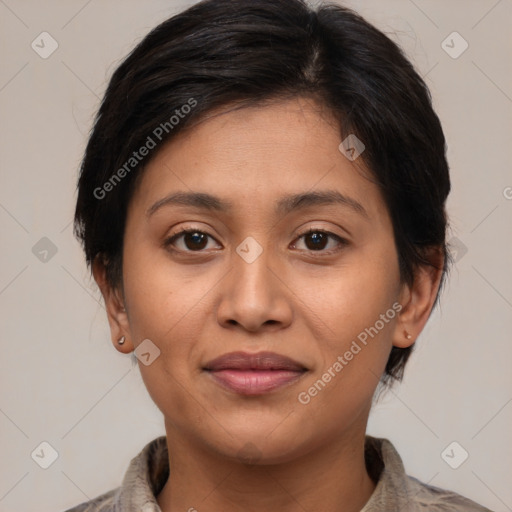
(121, 340)
(407, 335)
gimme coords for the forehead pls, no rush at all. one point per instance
(254, 157)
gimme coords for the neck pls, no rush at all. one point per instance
(331, 478)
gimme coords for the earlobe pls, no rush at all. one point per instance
(114, 305)
(418, 299)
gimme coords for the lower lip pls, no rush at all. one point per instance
(254, 382)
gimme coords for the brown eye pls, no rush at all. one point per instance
(195, 241)
(316, 241)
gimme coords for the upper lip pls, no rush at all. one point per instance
(257, 361)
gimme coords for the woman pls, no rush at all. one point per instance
(262, 204)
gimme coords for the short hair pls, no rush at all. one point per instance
(220, 53)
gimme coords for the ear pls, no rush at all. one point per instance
(114, 304)
(418, 299)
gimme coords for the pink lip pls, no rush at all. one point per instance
(254, 374)
(254, 382)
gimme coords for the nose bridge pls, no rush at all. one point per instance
(251, 270)
(253, 295)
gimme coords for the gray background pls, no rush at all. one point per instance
(62, 381)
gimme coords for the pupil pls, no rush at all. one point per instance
(198, 240)
(318, 240)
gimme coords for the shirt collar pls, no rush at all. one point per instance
(395, 491)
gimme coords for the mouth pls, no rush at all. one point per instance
(254, 374)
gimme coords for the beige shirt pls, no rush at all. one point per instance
(395, 491)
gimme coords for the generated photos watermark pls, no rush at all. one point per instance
(137, 156)
(304, 397)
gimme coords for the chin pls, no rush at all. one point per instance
(252, 444)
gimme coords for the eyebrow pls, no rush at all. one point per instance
(284, 206)
(195, 199)
(294, 202)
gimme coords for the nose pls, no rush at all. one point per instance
(254, 296)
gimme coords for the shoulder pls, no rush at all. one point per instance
(396, 490)
(435, 499)
(143, 480)
(102, 503)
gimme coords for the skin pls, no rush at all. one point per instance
(308, 305)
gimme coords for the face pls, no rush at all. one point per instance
(290, 250)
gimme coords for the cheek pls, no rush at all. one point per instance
(162, 296)
(348, 299)
(162, 309)
(168, 304)
(352, 320)
(353, 342)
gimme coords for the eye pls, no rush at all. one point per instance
(317, 240)
(189, 240)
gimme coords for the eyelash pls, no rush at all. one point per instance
(341, 241)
